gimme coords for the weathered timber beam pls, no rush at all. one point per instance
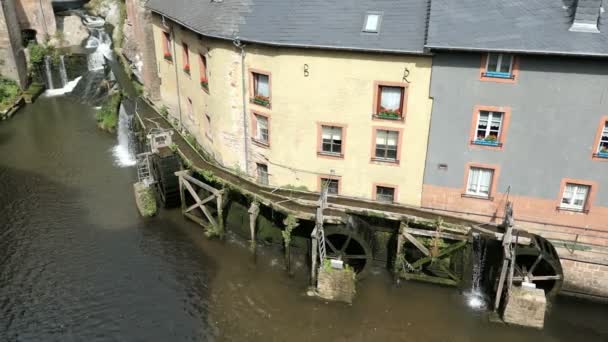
(441, 253)
(501, 283)
(191, 179)
(435, 234)
(416, 243)
(429, 279)
(197, 220)
(539, 278)
(500, 236)
(198, 204)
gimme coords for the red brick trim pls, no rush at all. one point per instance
(514, 71)
(338, 178)
(376, 101)
(596, 141)
(590, 196)
(327, 155)
(375, 190)
(373, 159)
(251, 87)
(254, 129)
(495, 176)
(504, 129)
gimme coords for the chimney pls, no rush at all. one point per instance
(587, 16)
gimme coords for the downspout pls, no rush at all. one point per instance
(241, 46)
(179, 97)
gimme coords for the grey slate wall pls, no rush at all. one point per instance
(556, 106)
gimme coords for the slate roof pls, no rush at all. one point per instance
(527, 26)
(333, 24)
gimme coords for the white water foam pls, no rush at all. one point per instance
(65, 90)
(123, 154)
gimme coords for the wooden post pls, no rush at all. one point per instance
(313, 264)
(290, 223)
(182, 195)
(220, 213)
(254, 211)
(397, 262)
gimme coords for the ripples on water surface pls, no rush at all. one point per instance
(78, 264)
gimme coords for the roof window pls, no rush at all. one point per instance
(372, 22)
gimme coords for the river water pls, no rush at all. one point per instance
(77, 263)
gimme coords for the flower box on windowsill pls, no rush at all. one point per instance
(495, 74)
(168, 58)
(187, 69)
(261, 100)
(602, 154)
(388, 115)
(205, 84)
(484, 142)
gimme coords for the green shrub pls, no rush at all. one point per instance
(9, 91)
(107, 116)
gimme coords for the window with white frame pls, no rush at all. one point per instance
(390, 102)
(385, 194)
(575, 196)
(602, 149)
(499, 65)
(480, 182)
(489, 127)
(331, 139)
(261, 128)
(386, 144)
(333, 185)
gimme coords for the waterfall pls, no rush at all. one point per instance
(62, 71)
(49, 73)
(476, 297)
(124, 154)
(101, 41)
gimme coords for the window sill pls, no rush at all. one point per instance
(260, 143)
(601, 155)
(486, 198)
(168, 59)
(205, 86)
(330, 155)
(385, 161)
(572, 210)
(388, 118)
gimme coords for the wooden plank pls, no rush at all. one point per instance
(209, 216)
(191, 191)
(198, 204)
(538, 278)
(431, 233)
(442, 253)
(193, 180)
(429, 279)
(197, 220)
(314, 251)
(416, 243)
(501, 283)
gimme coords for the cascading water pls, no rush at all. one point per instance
(49, 72)
(101, 41)
(476, 298)
(124, 154)
(62, 71)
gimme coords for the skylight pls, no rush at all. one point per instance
(372, 22)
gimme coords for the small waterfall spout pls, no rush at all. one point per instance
(49, 73)
(62, 72)
(124, 153)
(101, 41)
(476, 298)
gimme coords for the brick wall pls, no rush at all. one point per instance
(37, 15)
(585, 278)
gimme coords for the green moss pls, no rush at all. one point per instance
(291, 222)
(107, 116)
(294, 187)
(327, 268)
(148, 202)
(9, 92)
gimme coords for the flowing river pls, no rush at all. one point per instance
(77, 263)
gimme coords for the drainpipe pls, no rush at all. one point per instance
(241, 46)
(179, 97)
(46, 29)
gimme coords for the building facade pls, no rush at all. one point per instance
(302, 114)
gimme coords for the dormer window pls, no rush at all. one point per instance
(499, 65)
(372, 22)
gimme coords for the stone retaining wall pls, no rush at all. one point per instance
(585, 278)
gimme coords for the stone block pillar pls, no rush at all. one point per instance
(526, 307)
